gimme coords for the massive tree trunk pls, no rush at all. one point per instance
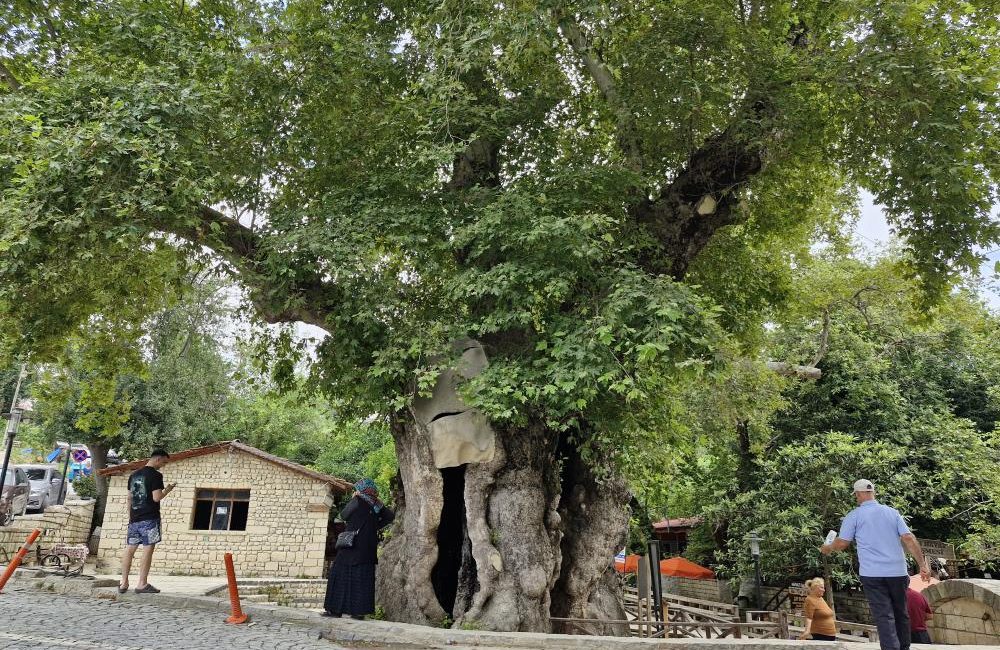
(501, 544)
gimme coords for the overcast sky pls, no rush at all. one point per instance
(873, 234)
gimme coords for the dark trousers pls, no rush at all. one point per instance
(887, 600)
(921, 636)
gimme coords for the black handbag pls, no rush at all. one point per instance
(346, 538)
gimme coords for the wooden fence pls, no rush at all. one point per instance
(684, 617)
(846, 630)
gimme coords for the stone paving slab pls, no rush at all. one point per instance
(40, 620)
(347, 632)
(184, 585)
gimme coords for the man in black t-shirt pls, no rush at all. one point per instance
(145, 491)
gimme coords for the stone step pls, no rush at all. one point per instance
(255, 598)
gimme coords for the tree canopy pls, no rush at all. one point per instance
(401, 174)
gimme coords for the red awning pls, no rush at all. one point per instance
(675, 566)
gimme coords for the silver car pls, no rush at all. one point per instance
(46, 484)
(13, 495)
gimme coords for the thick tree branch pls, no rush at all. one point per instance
(9, 77)
(628, 139)
(306, 299)
(792, 370)
(704, 195)
(477, 165)
(824, 339)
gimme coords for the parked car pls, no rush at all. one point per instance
(14, 496)
(46, 484)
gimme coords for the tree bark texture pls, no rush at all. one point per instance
(99, 461)
(501, 545)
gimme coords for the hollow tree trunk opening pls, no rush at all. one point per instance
(485, 544)
(454, 548)
(594, 517)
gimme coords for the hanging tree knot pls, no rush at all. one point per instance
(706, 205)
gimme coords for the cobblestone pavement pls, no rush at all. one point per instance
(38, 620)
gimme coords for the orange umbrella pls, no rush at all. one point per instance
(675, 566)
(626, 563)
(681, 568)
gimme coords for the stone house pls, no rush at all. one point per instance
(673, 534)
(273, 515)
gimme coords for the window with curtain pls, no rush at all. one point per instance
(220, 509)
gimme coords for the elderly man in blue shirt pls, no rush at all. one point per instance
(880, 534)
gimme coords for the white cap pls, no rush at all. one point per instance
(864, 485)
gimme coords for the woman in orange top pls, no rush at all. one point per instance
(819, 616)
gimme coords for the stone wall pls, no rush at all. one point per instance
(286, 525)
(716, 591)
(852, 606)
(304, 594)
(965, 612)
(849, 605)
(65, 524)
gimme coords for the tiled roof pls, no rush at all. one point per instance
(337, 483)
(682, 522)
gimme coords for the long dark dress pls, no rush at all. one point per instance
(350, 588)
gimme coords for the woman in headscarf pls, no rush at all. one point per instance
(351, 586)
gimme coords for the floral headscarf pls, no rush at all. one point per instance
(366, 488)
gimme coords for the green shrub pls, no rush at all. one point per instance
(86, 487)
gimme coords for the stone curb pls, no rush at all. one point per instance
(390, 633)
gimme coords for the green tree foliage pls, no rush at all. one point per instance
(308, 431)
(167, 389)
(184, 385)
(906, 399)
(538, 179)
(358, 450)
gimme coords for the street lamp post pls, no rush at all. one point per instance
(13, 421)
(755, 553)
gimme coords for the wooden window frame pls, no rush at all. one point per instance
(216, 500)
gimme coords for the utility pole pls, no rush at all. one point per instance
(14, 419)
(64, 488)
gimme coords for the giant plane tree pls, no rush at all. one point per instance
(519, 223)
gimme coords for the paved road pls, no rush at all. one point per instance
(38, 620)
